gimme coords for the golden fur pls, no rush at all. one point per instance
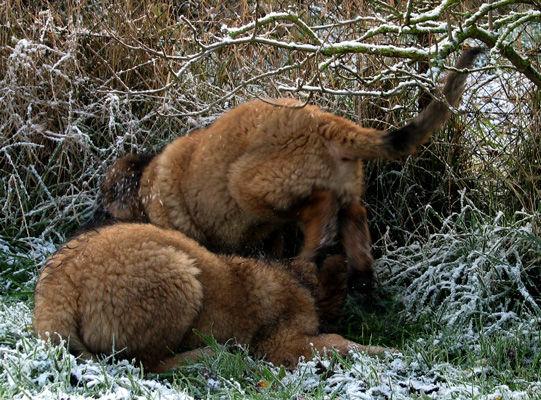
(147, 291)
(235, 185)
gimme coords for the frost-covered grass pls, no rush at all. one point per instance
(475, 287)
(30, 369)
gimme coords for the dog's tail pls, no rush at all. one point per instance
(119, 197)
(47, 329)
(374, 144)
(55, 311)
(404, 140)
(73, 342)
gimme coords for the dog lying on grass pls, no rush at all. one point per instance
(148, 291)
(235, 185)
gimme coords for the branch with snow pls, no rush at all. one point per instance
(355, 46)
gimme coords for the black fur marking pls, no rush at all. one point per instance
(404, 138)
(123, 190)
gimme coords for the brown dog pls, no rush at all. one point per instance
(148, 290)
(234, 185)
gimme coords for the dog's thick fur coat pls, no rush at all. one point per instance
(234, 185)
(147, 291)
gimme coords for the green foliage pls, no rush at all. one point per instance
(17, 272)
(228, 371)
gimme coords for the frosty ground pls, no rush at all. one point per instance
(30, 369)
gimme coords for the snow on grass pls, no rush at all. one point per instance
(30, 369)
(398, 377)
(479, 275)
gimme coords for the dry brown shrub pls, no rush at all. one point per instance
(83, 82)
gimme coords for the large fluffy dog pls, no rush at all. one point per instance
(147, 291)
(234, 185)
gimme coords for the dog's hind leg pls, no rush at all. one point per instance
(356, 243)
(321, 219)
(288, 345)
(318, 217)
